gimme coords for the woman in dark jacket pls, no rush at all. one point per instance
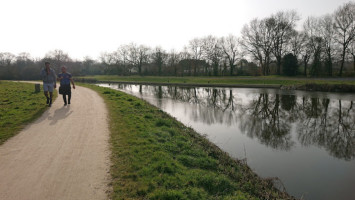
(65, 79)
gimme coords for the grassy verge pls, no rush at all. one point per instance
(19, 105)
(260, 80)
(156, 157)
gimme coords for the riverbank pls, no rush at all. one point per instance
(19, 105)
(154, 156)
(277, 82)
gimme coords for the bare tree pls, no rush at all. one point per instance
(88, 66)
(296, 43)
(212, 51)
(123, 50)
(138, 55)
(196, 52)
(257, 41)
(282, 26)
(107, 60)
(159, 58)
(173, 60)
(351, 51)
(23, 59)
(116, 59)
(143, 53)
(315, 42)
(6, 58)
(184, 56)
(229, 46)
(195, 48)
(305, 51)
(58, 55)
(344, 26)
(133, 54)
(58, 58)
(24, 56)
(326, 31)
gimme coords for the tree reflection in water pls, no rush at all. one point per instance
(265, 120)
(330, 125)
(272, 118)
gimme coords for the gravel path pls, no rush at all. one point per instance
(62, 155)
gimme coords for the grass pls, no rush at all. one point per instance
(19, 105)
(156, 157)
(250, 80)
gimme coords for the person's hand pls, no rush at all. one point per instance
(74, 86)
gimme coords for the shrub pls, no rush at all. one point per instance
(289, 65)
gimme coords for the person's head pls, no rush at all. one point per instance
(47, 64)
(64, 69)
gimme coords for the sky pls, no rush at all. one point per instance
(89, 27)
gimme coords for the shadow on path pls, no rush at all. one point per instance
(60, 114)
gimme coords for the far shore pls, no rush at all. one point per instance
(346, 85)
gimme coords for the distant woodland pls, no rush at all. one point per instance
(324, 47)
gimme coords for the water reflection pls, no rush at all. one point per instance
(276, 120)
(266, 120)
(328, 124)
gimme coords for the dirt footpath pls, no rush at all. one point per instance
(62, 155)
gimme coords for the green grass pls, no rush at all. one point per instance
(19, 105)
(281, 80)
(156, 157)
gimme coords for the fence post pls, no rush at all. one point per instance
(37, 87)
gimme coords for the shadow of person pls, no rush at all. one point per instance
(60, 114)
(44, 116)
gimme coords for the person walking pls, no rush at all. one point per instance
(49, 82)
(65, 79)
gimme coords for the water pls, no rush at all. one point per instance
(307, 139)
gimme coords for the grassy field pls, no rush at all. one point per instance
(156, 157)
(19, 105)
(281, 80)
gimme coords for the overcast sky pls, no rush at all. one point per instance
(89, 27)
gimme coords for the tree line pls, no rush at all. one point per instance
(323, 47)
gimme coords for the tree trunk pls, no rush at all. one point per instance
(342, 62)
(215, 69)
(232, 68)
(140, 70)
(263, 69)
(159, 69)
(305, 67)
(278, 62)
(175, 70)
(329, 64)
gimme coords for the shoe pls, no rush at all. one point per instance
(50, 105)
(65, 104)
(47, 100)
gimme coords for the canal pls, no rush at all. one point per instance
(306, 139)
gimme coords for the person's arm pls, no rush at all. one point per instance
(54, 78)
(59, 77)
(72, 82)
